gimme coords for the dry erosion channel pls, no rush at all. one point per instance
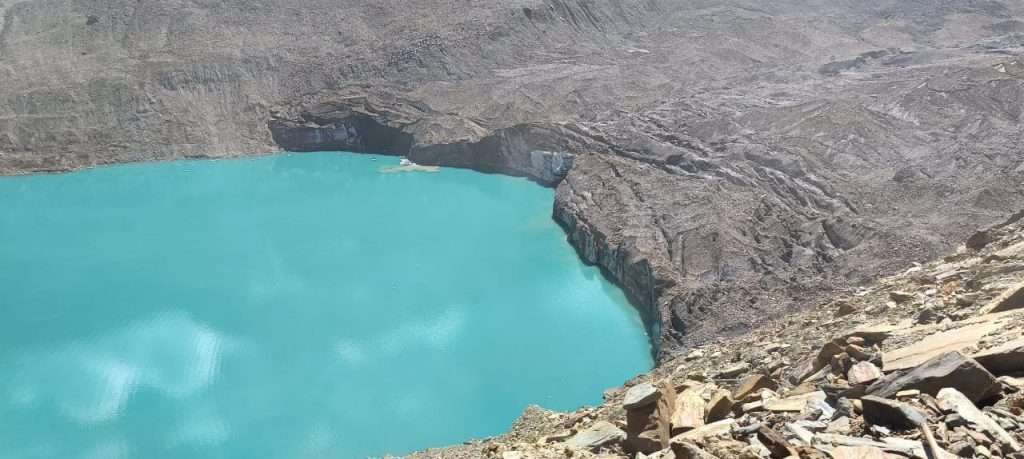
(736, 167)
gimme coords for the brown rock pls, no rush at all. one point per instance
(713, 429)
(858, 452)
(666, 405)
(733, 371)
(689, 412)
(841, 363)
(687, 450)
(856, 352)
(776, 443)
(844, 308)
(829, 350)
(752, 383)
(793, 404)
(719, 407)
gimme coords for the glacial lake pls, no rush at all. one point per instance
(291, 306)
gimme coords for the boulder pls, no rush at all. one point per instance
(857, 353)
(875, 333)
(953, 400)
(1005, 359)
(689, 412)
(928, 315)
(937, 344)
(951, 369)
(666, 405)
(828, 350)
(752, 383)
(1011, 298)
(858, 452)
(645, 443)
(719, 407)
(687, 450)
(889, 413)
(776, 443)
(640, 395)
(733, 371)
(793, 404)
(713, 429)
(900, 297)
(863, 373)
(602, 433)
(980, 239)
(844, 308)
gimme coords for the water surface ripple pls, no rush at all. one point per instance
(294, 306)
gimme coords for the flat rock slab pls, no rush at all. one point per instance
(858, 452)
(600, 434)
(793, 404)
(733, 371)
(951, 369)
(952, 400)
(689, 411)
(1005, 359)
(640, 396)
(1011, 298)
(890, 413)
(707, 430)
(937, 344)
(720, 406)
(752, 383)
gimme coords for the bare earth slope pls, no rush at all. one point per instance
(723, 160)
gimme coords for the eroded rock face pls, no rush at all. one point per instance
(723, 163)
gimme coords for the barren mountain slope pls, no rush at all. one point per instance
(722, 160)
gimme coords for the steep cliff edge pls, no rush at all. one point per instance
(723, 161)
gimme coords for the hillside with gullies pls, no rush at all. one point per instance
(726, 162)
(927, 363)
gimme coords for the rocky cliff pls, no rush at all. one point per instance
(724, 161)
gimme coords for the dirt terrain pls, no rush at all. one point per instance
(724, 161)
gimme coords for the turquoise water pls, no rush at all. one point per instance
(294, 306)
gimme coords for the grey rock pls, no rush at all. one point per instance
(890, 413)
(901, 297)
(951, 399)
(733, 371)
(1005, 359)
(640, 395)
(928, 315)
(863, 373)
(951, 369)
(1011, 298)
(601, 433)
